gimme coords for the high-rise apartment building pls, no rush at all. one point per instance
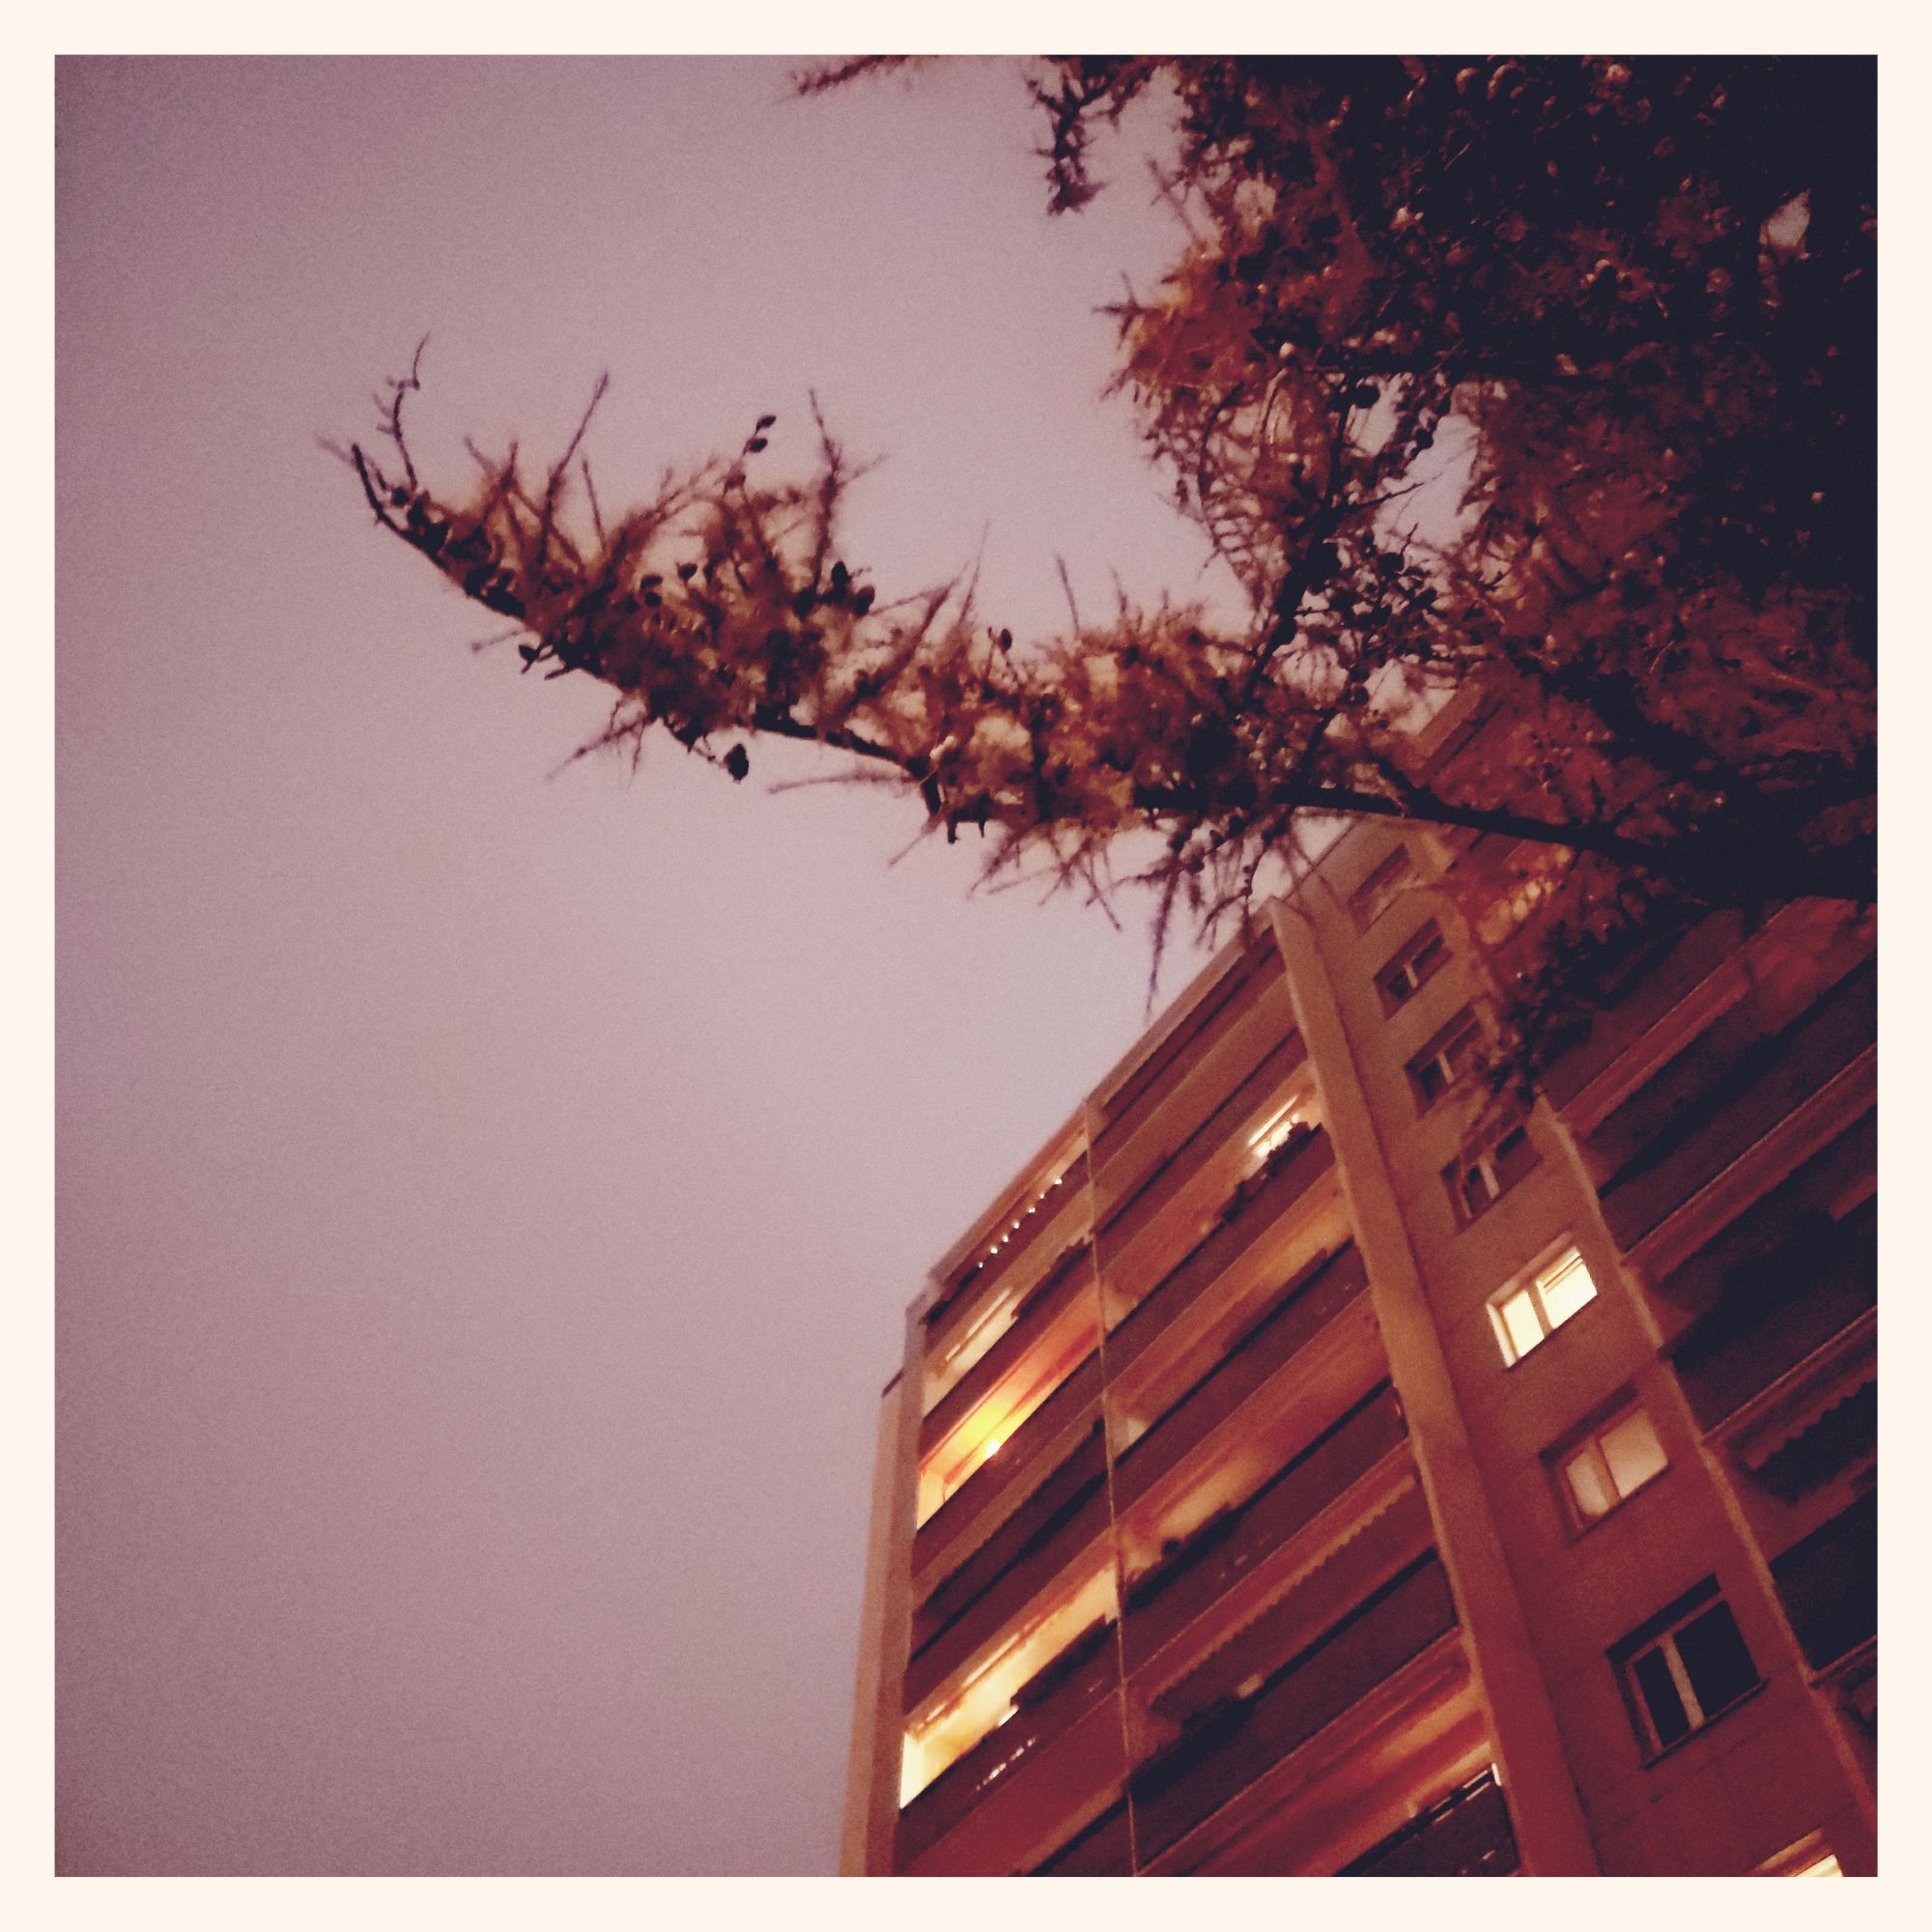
(1305, 1468)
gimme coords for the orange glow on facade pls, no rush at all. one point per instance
(1178, 1598)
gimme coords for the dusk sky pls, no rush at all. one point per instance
(487, 1198)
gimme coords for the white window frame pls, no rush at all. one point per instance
(1663, 1643)
(1486, 1163)
(1531, 1290)
(1398, 983)
(1589, 1443)
(1465, 1029)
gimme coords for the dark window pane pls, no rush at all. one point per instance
(1659, 1695)
(1714, 1658)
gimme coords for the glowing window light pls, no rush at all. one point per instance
(1277, 1133)
(994, 1444)
(1526, 1316)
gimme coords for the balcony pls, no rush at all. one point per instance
(1032, 1321)
(1151, 1193)
(1776, 1309)
(993, 1479)
(1306, 1308)
(1298, 1167)
(1828, 1584)
(1162, 1602)
(1044, 1709)
(1103, 1849)
(1733, 1087)
(1469, 1834)
(1023, 1555)
(1235, 1741)
(1064, 1489)
(1027, 1238)
(1185, 1049)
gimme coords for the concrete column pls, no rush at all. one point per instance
(1551, 1832)
(885, 1625)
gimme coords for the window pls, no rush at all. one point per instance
(1684, 1668)
(1478, 1179)
(1811, 1857)
(1445, 1060)
(1374, 895)
(1412, 968)
(1609, 1465)
(1533, 1311)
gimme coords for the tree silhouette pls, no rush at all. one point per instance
(1637, 299)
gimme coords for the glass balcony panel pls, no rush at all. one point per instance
(1057, 1293)
(1170, 1063)
(1100, 1850)
(1057, 1497)
(1828, 1584)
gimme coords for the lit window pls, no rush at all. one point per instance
(1412, 968)
(1281, 1128)
(1534, 1310)
(1684, 1668)
(1810, 1858)
(1376, 892)
(1612, 1463)
(1825, 1867)
(1445, 1060)
(1478, 1179)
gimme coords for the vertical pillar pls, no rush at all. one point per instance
(1551, 1832)
(885, 1624)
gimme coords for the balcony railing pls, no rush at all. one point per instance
(1156, 1190)
(1828, 1584)
(1041, 1546)
(1164, 1600)
(1469, 1834)
(974, 1279)
(1776, 1309)
(1062, 1491)
(1103, 1849)
(1705, 1111)
(992, 1478)
(1224, 1009)
(1235, 1743)
(1298, 1168)
(1044, 1708)
(1053, 1296)
(1307, 1306)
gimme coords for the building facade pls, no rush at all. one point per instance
(1306, 1467)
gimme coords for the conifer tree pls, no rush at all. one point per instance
(1639, 295)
